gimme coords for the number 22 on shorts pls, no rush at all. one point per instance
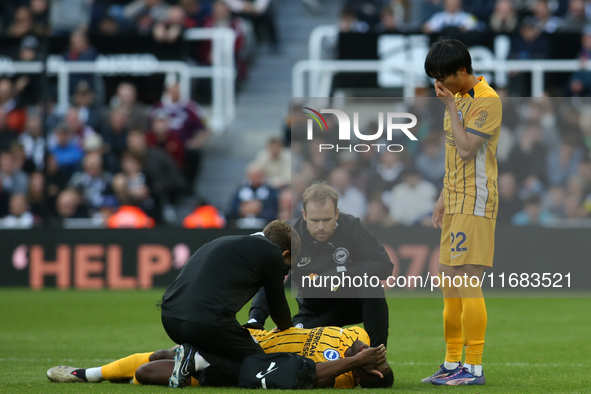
(460, 237)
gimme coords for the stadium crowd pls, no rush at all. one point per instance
(543, 156)
(530, 24)
(127, 163)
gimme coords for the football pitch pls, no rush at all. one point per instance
(532, 345)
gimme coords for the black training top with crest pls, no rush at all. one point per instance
(222, 276)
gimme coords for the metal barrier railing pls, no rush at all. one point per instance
(221, 71)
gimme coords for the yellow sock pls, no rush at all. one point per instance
(136, 382)
(194, 382)
(125, 368)
(474, 319)
(452, 323)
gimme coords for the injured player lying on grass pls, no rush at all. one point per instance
(342, 356)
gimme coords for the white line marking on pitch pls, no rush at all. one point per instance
(101, 361)
(501, 364)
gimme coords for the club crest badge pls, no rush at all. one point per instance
(340, 255)
(331, 355)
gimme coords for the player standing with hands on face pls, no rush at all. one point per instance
(467, 208)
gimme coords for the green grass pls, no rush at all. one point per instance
(532, 345)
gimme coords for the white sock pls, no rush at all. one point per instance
(450, 366)
(94, 375)
(475, 370)
(200, 362)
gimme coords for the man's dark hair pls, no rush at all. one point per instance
(284, 236)
(370, 381)
(446, 57)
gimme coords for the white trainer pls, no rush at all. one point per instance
(63, 374)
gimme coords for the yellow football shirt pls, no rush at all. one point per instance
(319, 344)
(470, 187)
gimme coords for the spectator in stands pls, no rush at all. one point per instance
(67, 153)
(412, 200)
(80, 132)
(481, 9)
(19, 158)
(351, 200)
(431, 161)
(15, 115)
(93, 183)
(262, 16)
(407, 14)
(285, 206)
(584, 172)
(277, 163)
(504, 19)
(255, 202)
(163, 137)
(165, 179)
(116, 138)
(27, 87)
(575, 19)
(579, 83)
(428, 8)
(532, 214)
(387, 22)
(349, 23)
(40, 12)
(544, 20)
(136, 185)
(221, 16)
(7, 135)
(367, 11)
(14, 180)
(80, 50)
(67, 16)
(186, 119)
(126, 99)
(170, 29)
(528, 160)
(204, 216)
(20, 215)
(563, 161)
(4, 201)
(377, 214)
(197, 11)
(575, 186)
(509, 203)
(109, 26)
(89, 113)
(22, 23)
(553, 201)
(56, 179)
(145, 13)
(36, 195)
(68, 205)
(451, 16)
(385, 176)
(351, 162)
(573, 208)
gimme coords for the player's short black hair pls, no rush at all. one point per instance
(375, 382)
(446, 57)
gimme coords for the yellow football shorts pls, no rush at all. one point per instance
(467, 239)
